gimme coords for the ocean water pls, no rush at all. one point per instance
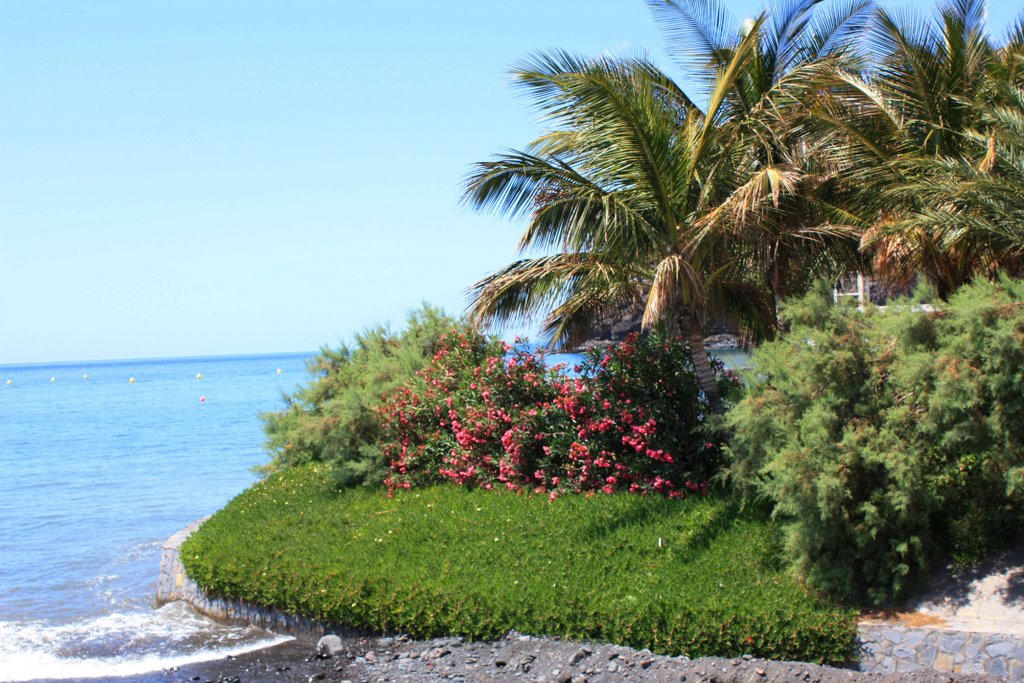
(95, 473)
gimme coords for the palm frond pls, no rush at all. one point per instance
(517, 293)
(763, 191)
(969, 14)
(907, 45)
(789, 20)
(701, 33)
(675, 284)
(725, 81)
(513, 184)
(837, 28)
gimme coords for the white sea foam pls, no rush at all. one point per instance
(121, 644)
(138, 551)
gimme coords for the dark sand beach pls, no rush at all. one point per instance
(514, 658)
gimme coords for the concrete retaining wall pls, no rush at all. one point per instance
(883, 648)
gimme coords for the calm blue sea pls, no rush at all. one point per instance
(95, 473)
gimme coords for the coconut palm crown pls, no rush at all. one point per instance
(638, 195)
(912, 125)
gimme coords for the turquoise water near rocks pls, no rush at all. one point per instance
(95, 473)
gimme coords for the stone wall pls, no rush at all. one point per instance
(894, 648)
(174, 584)
(883, 648)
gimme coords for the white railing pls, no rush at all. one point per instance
(860, 288)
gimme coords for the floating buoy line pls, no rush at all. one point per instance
(131, 379)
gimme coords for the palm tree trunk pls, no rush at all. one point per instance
(702, 364)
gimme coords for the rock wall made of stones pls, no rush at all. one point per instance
(889, 649)
(174, 584)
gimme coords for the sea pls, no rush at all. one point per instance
(100, 462)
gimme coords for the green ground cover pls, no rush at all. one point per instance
(696, 576)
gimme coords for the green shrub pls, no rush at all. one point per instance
(334, 419)
(888, 440)
(695, 576)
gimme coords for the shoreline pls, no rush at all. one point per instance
(885, 649)
(516, 657)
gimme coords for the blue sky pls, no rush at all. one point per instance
(197, 178)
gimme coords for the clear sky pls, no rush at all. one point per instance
(219, 177)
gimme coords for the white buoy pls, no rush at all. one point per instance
(53, 379)
(85, 376)
(279, 371)
(131, 380)
(10, 381)
(199, 375)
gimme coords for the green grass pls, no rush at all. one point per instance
(695, 577)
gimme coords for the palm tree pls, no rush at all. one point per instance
(617, 190)
(789, 213)
(647, 198)
(911, 130)
(973, 201)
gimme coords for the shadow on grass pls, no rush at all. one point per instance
(724, 517)
(641, 514)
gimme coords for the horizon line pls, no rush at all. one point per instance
(153, 359)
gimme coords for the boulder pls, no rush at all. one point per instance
(328, 646)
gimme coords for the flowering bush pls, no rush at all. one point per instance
(485, 414)
(334, 418)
